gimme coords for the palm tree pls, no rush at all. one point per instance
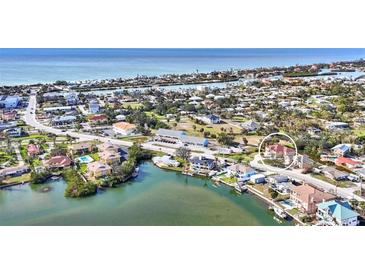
(54, 137)
(8, 142)
(69, 139)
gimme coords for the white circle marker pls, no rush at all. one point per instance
(281, 134)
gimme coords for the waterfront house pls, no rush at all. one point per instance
(258, 179)
(334, 173)
(348, 162)
(82, 148)
(277, 179)
(283, 188)
(124, 128)
(165, 160)
(241, 171)
(32, 150)
(14, 171)
(201, 163)
(337, 213)
(98, 169)
(341, 150)
(306, 197)
(110, 157)
(58, 162)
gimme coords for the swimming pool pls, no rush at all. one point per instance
(85, 159)
(287, 204)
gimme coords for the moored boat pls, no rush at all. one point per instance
(280, 212)
(135, 172)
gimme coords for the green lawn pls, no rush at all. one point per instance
(4, 157)
(133, 105)
(228, 179)
(359, 132)
(240, 157)
(30, 137)
(23, 178)
(23, 151)
(95, 156)
(294, 211)
(83, 168)
(238, 119)
(151, 114)
(138, 139)
(36, 162)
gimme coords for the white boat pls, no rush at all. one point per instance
(244, 188)
(135, 172)
(240, 188)
(280, 212)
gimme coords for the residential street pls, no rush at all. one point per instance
(343, 192)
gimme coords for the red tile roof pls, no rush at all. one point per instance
(33, 149)
(59, 161)
(278, 148)
(98, 117)
(345, 160)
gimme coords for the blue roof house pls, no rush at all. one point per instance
(338, 213)
(341, 149)
(10, 101)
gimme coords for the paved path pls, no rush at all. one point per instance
(18, 155)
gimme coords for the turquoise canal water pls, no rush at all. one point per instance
(155, 197)
(29, 66)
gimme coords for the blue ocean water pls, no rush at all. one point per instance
(26, 66)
